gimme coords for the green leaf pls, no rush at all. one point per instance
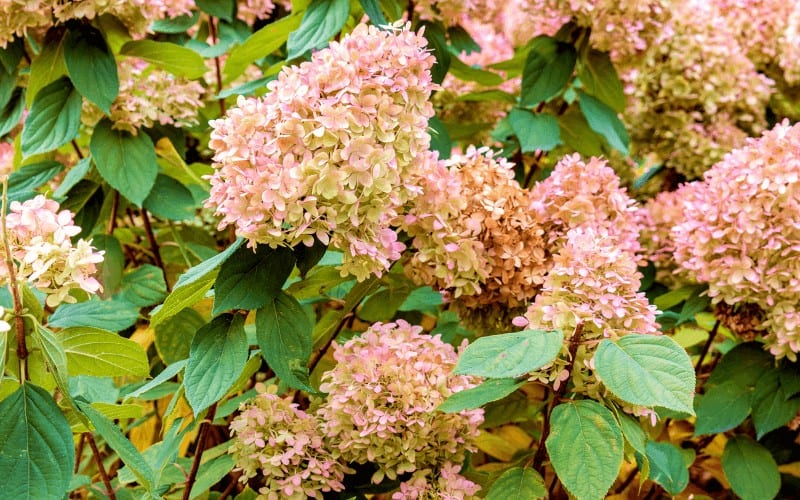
(8, 82)
(127, 162)
(258, 45)
(100, 353)
(110, 269)
(697, 302)
(487, 95)
(31, 176)
(577, 134)
(217, 356)
(48, 66)
(467, 73)
(210, 473)
(424, 299)
(437, 42)
(173, 58)
(91, 65)
(750, 469)
(284, 335)
(743, 366)
(461, 40)
(174, 336)
(222, 9)
(518, 483)
(535, 131)
(3, 351)
(600, 79)
(585, 447)
(440, 138)
(175, 24)
(548, 69)
(36, 448)
(114, 315)
(721, 408)
(170, 199)
(509, 354)
(73, 177)
(160, 379)
(322, 20)
(12, 54)
(143, 286)
(605, 122)
(667, 467)
(119, 443)
(491, 390)
(12, 112)
(191, 286)
(373, 10)
(251, 279)
(647, 370)
(772, 408)
(54, 118)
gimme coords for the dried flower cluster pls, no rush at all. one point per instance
(39, 238)
(380, 409)
(332, 151)
(740, 232)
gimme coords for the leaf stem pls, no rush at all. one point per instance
(151, 237)
(707, 347)
(19, 323)
(212, 27)
(99, 461)
(202, 436)
(574, 342)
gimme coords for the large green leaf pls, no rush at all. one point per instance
(23, 182)
(11, 114)
(577, 134)
(721, 408)
(372, 9)
(772, 407)
(284, 335)
(743, 366)
(600, 79)
(176, 59)
(217, 356)
(547, 71)
(518, 483)
(491, 390)
(119, 443)
(54, 118)
(604, 120)
(667, 467)
(467, 73)
(585, 447)
(174, 336)
(126, 161)
(114, 315)
(509, 354)
(36, 448)
(143, 286)
(192, 286)
(535, 131)
(750, 469)
(55, 358)
(437, 43)
(647, 370)
(91, 65)
(92, 351)
(260, 44)
(48, 65)
(110, 270)
(322, 20)
(250, 279)
(170, 199)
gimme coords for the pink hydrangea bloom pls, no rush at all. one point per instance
(448, 484)
(382, 399)
(250, 10)
(474, 235)
(332, 151)
(275, 439)
(149, 96)
(40, 239)
(740, 232)
(6, 159)
(579, 193)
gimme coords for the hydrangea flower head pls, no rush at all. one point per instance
(331, 152)
(740, 232)
(447, 484)
(274, 438)
(382, 397)
(41, 246)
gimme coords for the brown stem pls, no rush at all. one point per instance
(19, 323)
(198, 452)
(112, 220)
(77, 149)
(212, 27)
(711, 335)
(574, 342)
(78, 453)
(627, 481)
(99, 461)
(151, 237)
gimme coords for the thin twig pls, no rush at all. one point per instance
(711, 336)
(199, 448)
(19, 323)
(151, 237)
(213, 29)
(77, 149)
(112, 219)
(99, 461)
(78, 454)
(538, 459)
